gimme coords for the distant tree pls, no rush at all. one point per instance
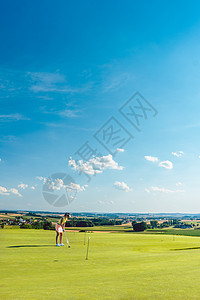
(103, 222)
(175, 221)
(37, 225)
(84, 223)
(26, 226)
(164, 224)
(171, 222)
(31, 214)
(2, 226)
(48, 226)
(154, 223)
(118, 222)
(140, 226)
(134, 222)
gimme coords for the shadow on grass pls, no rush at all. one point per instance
(192, 248)
(30, 246)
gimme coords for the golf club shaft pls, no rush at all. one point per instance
(66, 238)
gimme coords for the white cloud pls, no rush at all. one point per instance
(147, 190)
(112, 202)
(5, 191)
(15, 192)
(13, 117)
(178, 183)
(70, 113)
(58, 185)
(95, 165)
(151, 158)
(32, 188)
(120, 150)
(163, 190)
(166, 191)
(53, 82)
(116, 82)
(178, 153)
(166, 164)
(22, 186)
(122, 186)
(41, 178)
(76, 187)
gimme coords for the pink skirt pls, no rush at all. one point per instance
(58, 228)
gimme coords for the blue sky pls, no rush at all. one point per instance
(65, 70)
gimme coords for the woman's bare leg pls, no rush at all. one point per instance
(57, 238)
(61, 238)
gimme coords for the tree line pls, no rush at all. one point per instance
(46, 225)
(77, 222)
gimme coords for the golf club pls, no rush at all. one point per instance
(66, 239)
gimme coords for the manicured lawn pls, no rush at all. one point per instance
(103, 228)
(185, 232)
(120, 266)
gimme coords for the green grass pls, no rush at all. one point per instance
(120, 266)
(129, 229)
(185, 232)
(103, 228)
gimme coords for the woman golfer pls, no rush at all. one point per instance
(60, 226)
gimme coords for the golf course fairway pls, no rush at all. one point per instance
(119, 266)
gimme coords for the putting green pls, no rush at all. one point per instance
(120, 266)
